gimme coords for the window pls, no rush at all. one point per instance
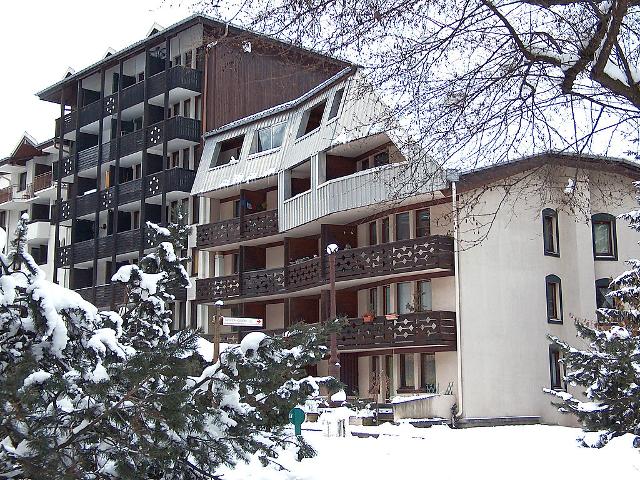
(140, 76)
(193, 317)
(424, 296)
(403, 291)
(311, 119)
(406, 371)
(194, 262)
(423, 223)
(176, 109)
(136, 220)
(375, 364)
(386, 234)
(137, 170)
(602, 290)
(603, 228)
(174, 160)
(373, 301)
(186, 157)
(428, 372)
(229, 150)
(198, 108)
(3, 219)
(195, 210)
(22, 182)
(182, 315)
(555, 368)
(176, 61)
(236, 263)
(386, 298)
(335, 104)
(554, 299)
(188, 58)
(373, 233)
(186, 108)
(402, 226)
(268, 138)
(550, 232)
(236, 209)
(380, 159)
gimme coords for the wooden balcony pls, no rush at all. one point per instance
(42, 182)
(255, 225)
(86, 250)
(433, 253)
(172, 180)
(175, 128)
(103, 294)
(407, 330)
(177, 77)
(435, 329)
(6, 194)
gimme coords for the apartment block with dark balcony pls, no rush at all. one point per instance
(277, 188)
(28, 188)
(134, 121)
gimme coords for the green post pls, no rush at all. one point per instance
(296, 416)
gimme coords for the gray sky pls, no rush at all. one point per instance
(40, 39)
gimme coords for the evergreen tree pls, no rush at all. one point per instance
(88, 394)
(609, 369)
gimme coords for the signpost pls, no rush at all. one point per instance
(296, 416)
(241, 322)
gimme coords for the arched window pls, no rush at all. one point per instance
(550, 232)
(554, 298)
(603, 233)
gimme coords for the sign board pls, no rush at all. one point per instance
(391, 316)
(241, 322)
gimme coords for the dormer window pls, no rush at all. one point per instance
(335, 104)
(311, 119)
(227, 151)
(268, 138)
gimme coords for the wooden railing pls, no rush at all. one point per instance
(255, 225)
(411, 329)
(177, 77)
(426, 253)
(42, 182)
(420, 329)
(172, 180)
(6, 194)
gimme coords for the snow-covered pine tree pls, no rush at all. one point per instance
(609, 369)
(54, 348)
(83, 397)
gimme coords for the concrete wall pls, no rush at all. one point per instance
(504, 343)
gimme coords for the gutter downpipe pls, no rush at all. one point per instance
(453, 176)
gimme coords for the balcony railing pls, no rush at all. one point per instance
(84, 251)
(178, 77)
(42, 182)
(103, 294)
(6, 194)
(407, 330)
(176, 128)
(255, 225)
(172, 180)
(419, 329)
(426, 253)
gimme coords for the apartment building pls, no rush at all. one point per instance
(427, 323)
(449, 282)
(134, 122)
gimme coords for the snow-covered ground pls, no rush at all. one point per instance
(404, 452)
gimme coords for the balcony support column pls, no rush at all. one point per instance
(167, 66)
(58, 211)
(96, 217)
(334, 361)
(144, 166)
(74, 201)
(116, 182)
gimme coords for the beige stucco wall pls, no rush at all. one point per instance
(504, 343)
(275, 315)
